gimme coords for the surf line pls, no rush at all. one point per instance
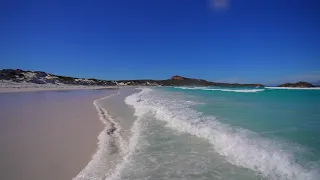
(112, 128)
(106, 144)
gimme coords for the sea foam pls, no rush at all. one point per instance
(133, 141)
(97, 167)
(239, 146)
(293, 88)
(224, 90)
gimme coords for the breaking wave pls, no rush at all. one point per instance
(109, 142)
(293, 88)
(224, 90)
(239, 146)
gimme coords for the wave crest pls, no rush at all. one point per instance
(224, 90)
(293, 88)
(240, 147)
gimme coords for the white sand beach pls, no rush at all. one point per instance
(10, 86)
(48, 134)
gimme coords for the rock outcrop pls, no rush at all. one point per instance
(300, 84)
(39, 77)
(177, 78)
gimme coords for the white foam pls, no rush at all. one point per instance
(225, 90)
(190, 87)
(239, 146)
(237, 90)
(96, 167)
(294, 88)
(136, 129)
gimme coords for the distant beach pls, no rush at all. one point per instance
(10, 86)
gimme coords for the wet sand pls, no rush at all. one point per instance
(114, 140)
(48, 134)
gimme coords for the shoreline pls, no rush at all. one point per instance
(107, 136)
(114, 139)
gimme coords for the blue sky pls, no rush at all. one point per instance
(266, 41)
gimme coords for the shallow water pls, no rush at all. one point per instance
(214, 133)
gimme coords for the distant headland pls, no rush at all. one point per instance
(40, 77)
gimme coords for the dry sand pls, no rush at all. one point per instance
(63, 88)
(10, 86)
(48, 135)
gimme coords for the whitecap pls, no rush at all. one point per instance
(294, 88)
(239, 146)
(222, 89)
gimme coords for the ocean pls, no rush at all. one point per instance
(208, 133)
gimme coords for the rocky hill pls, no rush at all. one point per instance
(182, 81)
(300, 84)
(39, 77)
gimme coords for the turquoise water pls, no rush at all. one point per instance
(289, 115)
(219, 133)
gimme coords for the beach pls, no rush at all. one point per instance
(160, 90)
(48, 134)
(160, 133)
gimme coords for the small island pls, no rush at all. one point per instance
(300, 84)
